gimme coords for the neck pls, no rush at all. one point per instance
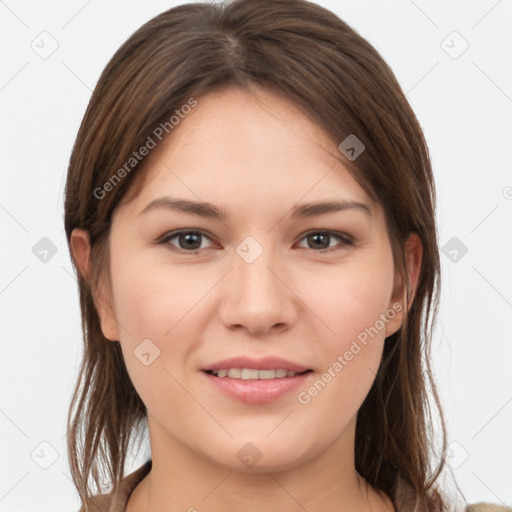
(181, 479)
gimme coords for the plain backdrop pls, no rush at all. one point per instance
(453, 59)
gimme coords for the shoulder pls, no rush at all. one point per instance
(487, 507)
(116, 501)
(99, 503)
(405, 499)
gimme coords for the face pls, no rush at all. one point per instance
(259, 276)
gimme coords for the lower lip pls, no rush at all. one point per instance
(257, 391)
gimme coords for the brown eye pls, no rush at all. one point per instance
(188, 241)
(321, 240)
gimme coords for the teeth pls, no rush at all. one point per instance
(253, 374)
(248, 374)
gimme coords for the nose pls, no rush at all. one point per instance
(257, 297)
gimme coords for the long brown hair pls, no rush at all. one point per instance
(311, 57)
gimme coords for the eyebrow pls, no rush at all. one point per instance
(208, 210)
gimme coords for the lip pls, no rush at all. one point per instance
(267, 363)
(256, 391)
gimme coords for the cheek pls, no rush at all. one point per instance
(152, 301)
(351, 306)
(349, 299)
(161, 313)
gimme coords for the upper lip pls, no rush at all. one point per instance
(266, 363)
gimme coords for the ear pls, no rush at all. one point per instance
(413, 253)
(81, 248)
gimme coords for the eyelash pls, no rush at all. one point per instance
(345, 239)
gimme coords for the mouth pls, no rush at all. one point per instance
(256, 381)
(254, 373)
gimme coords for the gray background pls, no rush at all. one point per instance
(463, 99)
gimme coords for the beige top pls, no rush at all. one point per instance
(109, 503)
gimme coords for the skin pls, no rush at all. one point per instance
(254, 156)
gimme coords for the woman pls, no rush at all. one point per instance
(250, 208)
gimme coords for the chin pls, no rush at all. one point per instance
(262, 456)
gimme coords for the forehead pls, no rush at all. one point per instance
(238, 146)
